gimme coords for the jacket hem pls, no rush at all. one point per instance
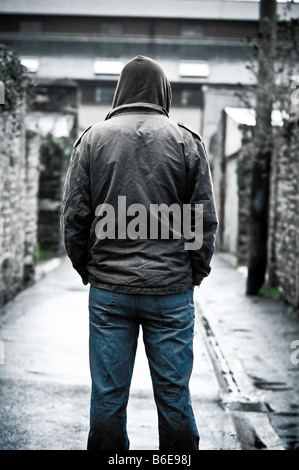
(177, 289)
(198, 278)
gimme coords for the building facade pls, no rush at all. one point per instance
(202, 46)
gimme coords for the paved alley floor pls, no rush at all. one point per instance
(245, 385)
(45, 382)
(252, 340)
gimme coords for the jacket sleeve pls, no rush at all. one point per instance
(200, 191)
(76, 210)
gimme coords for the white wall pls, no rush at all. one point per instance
(91, 114)
(231, 208)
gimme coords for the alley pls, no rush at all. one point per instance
(232, 77)
(45, 381)
(244, 385)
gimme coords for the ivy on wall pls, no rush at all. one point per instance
(17, 83)
(51, 146)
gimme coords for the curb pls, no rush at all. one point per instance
(248, 412)
(42, 268)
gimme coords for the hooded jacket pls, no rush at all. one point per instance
(122, 173)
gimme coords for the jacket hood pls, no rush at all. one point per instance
(142, 80)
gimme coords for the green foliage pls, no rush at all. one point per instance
(269, 292)
(51, 145)
(16, 81)
(42, 254)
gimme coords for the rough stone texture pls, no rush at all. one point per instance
(284, 220)
(244, 193)
(32, 175)
(31, 183)
(283, 239)
(19, 170)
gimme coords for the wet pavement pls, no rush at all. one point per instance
(244, 386)
(258, 368)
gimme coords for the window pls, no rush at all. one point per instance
(104, 94)
(194, 69)
(110, 28)
(191, 97)
(187, 97)
(192, 30)
(107, 67)
(31, 26)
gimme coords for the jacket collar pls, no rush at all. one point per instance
(139, 107)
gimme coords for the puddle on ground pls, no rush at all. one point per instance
(270, 385)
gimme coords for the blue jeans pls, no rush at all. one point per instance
(168, 325)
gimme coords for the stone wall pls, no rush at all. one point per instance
(283, 252)
(31, 181)
(244, 192)
(283, 232)
(19, 174)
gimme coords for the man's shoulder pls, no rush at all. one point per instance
(77, 142)
(190, 130)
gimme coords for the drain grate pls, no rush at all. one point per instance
(249, 414)
(221, 366)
